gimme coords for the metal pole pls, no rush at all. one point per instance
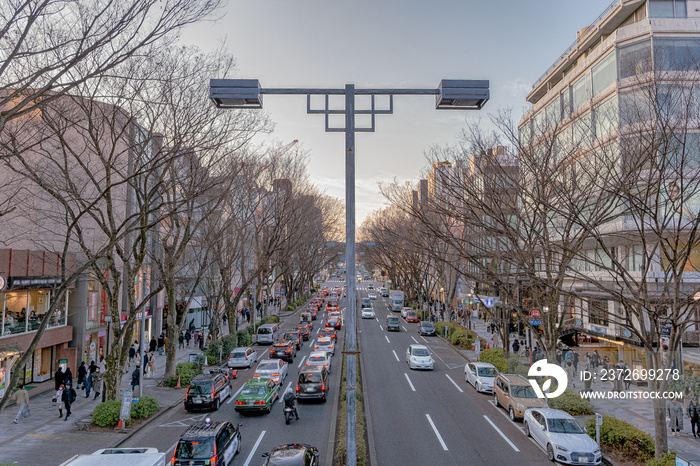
(350, 277)
(143, 351)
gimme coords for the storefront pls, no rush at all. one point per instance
(8, 356)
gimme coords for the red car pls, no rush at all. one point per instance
(411, 316)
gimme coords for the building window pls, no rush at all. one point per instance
(606, 117)
(598, 311)
(634, 59)
(580, 92)
(604, 74)
(676, 54)
(668, 9)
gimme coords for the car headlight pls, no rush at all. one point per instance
(597, 450)
(560, 448)
(521, 407)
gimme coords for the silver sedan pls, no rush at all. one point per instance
(274, 369)
(319, 358)
(481, 375)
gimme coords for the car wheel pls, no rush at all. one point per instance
(527, 429)
(550, 452)
(495, 399)
(216, 404)
(511, 413)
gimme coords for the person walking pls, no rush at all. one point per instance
(161, 344)
(675, 413)
(188, 337)
(694, 416)
(575, 359)
(68, 397)
(58, 378)
(151, 364)
(97, 382)
(82, 370)
(152, 345)
(88, 384)
(68, 379)
(136, 377)
(58, 399)
(181, 340)
(22, 398)
(618, 376)
(132, 353)
(569, 368)
(196, 338)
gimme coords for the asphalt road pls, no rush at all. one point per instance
(261, 432)
(430, 417)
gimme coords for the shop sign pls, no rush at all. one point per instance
(601, 330)
(14, 283)
(125, 317)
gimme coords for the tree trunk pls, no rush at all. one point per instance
(172, 332)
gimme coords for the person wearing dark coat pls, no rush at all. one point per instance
(694, 416)
(161, 344)
(68, 397)
(188, 337)
(136, 377)
(68, 379)
(152, 345)
(81, 374)
(59, 378)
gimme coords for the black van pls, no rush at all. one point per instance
(205, 440)
(392, 323)
(207, 392)
(312, 383)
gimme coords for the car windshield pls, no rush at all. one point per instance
(264, 331)
(200, 388)
(237, 354)
(564, 426)
(255, 390)
(393, 320)
(291, 336)
(522, 391)
(488, 372)
(428, 326)
(420, 352)
(310, 377)
(195, 449)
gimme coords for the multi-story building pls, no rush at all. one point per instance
(592, 96)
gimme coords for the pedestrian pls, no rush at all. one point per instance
(102, 365)
(81, 374)
(191, 328)
(97, 382)
(88, 384)
(675, 413)
(68, 379)
(196, 338)
(22, 398)
(569, 368)
(58, 399)
(516, 346)
(575, 359)
(132, 353)
(137, 347)
(59, 378)
(151, 364)
(694, 416)
(145, 363)
(201, 342)
(181, 340)
(247, 315)
(136, 377)
(161, 344)
(153, 344)
(596, 360)
(588, 360)
(68, 397)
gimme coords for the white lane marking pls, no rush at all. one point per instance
(501, 433)
(285, 389)
(376, 319)
(409, 382)
(454, 383)
(442, 442)
(233, 397)
(263, 354)
(380, 326)
(302, 361)
(252, 452)
(414, 339)
(397, 358)
(387, 339)
(318, 330)
(404, 329)
(311, 345)
(424, 339)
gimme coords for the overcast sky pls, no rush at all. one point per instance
(390, 44)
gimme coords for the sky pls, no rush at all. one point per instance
(389, 44)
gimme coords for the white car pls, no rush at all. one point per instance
(274, 369)
(419, 357)
(367, 313)
(325, 344)
(481, 375)
(404, 310)
(372, 295)
(558, 433)
(242, 357)
(319, 358)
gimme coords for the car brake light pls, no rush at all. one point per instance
(323, 387)
(297, 387)
(213, 459)
(277, 374)
(259, 402)
(256, 375)
(172, 460)
(240, 402)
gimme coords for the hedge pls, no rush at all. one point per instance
(516, 367)
(457, 335)
(669, 459)
(107, 414)
(624, 438)
(571, 402)
(495, 356)
(186, 371)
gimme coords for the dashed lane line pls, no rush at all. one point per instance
(414, 339)
(382, 328)
(501, 433)
(285, 389)
(387, 339)
(404, 329)
(409, 382)
(302, 361)
(454, 383)
(395, 355)
(437, 434)
(255, 447)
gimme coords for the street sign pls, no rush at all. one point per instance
(535, 322)
(125, 412)
(488, 302)
(666, 330)
(534, 313)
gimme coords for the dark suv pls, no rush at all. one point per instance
(208, 442)
(285, 350)
(312, 383)
(207, 392)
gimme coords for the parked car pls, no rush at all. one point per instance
(516, 395)
(419, 357)
(325, 344)
(274, 369)
(205, 442)
(257, 394)
(558, 433)
(367, 313)
(319, 358)
(285, 350)
(411, 316)
(312, 383)
(207, 391)
(392, 323)
(481, 375)
(242, 357)
(404, 310)
(297, 454)
(426, 328)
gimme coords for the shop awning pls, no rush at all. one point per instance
(10, 350)
(568, 337)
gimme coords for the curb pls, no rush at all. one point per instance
(371, 447)
(148, 422)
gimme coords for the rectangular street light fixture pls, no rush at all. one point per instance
(461, 94)
(235, 93)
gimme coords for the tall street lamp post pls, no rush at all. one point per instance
(450, 94)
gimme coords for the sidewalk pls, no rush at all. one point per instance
(44, 439)
(638, 412)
